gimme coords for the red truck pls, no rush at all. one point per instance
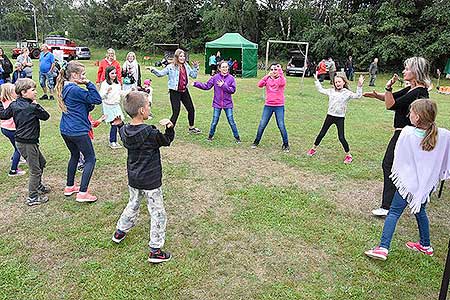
(58, 42)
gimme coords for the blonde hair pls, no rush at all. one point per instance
(343, 77)
(7, 92)
(24, 84)
(426, 110)
(420, 67)
(111, 50)
(129, 54)
(177, 55)
(64, 75)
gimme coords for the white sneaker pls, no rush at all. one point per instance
(114, 145)
(380, 212)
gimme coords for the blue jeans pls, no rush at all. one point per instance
(266, 115)
(113, 134)
(215, 121)
(77, 144)
(396, 210)
(16, 156)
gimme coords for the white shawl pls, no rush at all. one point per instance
(132, 69)
(415, 172)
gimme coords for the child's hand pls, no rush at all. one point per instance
(149, 68)
(109, 90)
(117, 121)
(361, 80)
(220, 83)
(166, 122)
(102, 118)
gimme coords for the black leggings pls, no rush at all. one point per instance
(176, 98)
(330, 120)
(389, 188)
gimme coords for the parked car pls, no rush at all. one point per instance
(32, 45)
(83, 53)
(58, 42)
(297, 65)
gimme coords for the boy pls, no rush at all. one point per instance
(18, 73)
(144, 172)
(26, 115)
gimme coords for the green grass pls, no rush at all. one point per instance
(242, 224)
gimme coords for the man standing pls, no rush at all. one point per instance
(373, 69)
(349, 69)
(332, 69)
(46, 65)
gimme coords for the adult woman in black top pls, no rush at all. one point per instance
(6, 65)
(416, 72)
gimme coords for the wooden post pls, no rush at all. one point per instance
(445, 277)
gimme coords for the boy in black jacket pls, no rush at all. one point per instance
(144, 173)
(26, 115)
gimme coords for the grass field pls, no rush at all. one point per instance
(243, 223)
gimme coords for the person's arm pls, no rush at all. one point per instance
(229, 88)
(263, 81)
(281, 80)
(164, 139)
(100, 72)
(7, 113)
(204, 86)
(320, 88)
(193, 72)
(139, 76)
(41, 113)
(358, 93)
(119, 72)
(161, 73)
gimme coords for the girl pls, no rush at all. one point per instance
(224, 86)
(337, 105)
(417, 72)
(110, 60)
(75, 104)
(178, 73)
(420, 162)
(9, 128)
(131, 72)
(110, 92)
(275, 84)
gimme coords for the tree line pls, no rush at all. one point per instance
(391, 30)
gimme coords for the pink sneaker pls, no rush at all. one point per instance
(418, 247)
(311, 152)
(70, 190)
(348, 159)
(377, 253)
(85, 197)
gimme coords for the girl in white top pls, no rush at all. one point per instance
(337, 106)
(131, 72)
(111, 92)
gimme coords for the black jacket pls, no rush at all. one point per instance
(7, 67)
(26, 115)
(144, 160)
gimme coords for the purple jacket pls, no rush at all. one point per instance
(222, 95)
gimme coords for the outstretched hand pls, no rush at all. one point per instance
(117, 121)
(166, 122)
(361, 80)
(195, 63)
(372, 94)
(149, 68)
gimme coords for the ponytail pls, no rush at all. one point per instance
(429, 141)
(60, 80)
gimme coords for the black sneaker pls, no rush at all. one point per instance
(210, 138)
(52, 98)
(238, 140)
(285, 148)
(118, 236)
(44, 189)
(194, 130)
(36, 200)
(44, 97)
(159, 256)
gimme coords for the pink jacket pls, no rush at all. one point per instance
(274, 89)
(7, 124)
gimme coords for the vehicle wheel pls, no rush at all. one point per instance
(35, 53)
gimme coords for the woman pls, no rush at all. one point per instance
(178, 72)
(131, 72)
(417, 73)
(110, 60)
(6, 65)
(76, 103)
(26, 62)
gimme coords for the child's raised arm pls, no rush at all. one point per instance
(319, 86)
(204, 86)
(359, 92)
(5, 114)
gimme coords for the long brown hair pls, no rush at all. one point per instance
(64, 75)
(426, 110)
(176, 62)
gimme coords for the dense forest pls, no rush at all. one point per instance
(389, 29)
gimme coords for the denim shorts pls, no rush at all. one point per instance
(46, 77)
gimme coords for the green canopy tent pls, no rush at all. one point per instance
(447, 67)
(237, 47)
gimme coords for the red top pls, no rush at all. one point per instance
(104, 63)
(182, 80)
(322, 68)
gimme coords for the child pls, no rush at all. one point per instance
(224, 86)
(26, 115)
(144, 173)
(420, 163)
(110, 91)
(148, 89)
(7, 96)
(275, 84)
(94, 124)
(235, 67)
(18, 73)
(337, 106)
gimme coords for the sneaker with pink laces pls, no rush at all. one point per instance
(70, 190)
(377, 253)
(418, 247)
(85, 197)
(311, 152)
(348, 159)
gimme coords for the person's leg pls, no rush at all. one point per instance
(341, 133)
(50, 82)
(388, 187)
(16, 155)
(42, 164)
(113, 134)
(397, 207)
(424, 226)
(129, 215)
(187, 102)
(73, 161)
(266, 114)
(86, 148)
(231, 122)
(31, 153)
(215, 120)
(43, 84)
(158, 218)
(326, 125)
(176, 105)
(279, 116)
